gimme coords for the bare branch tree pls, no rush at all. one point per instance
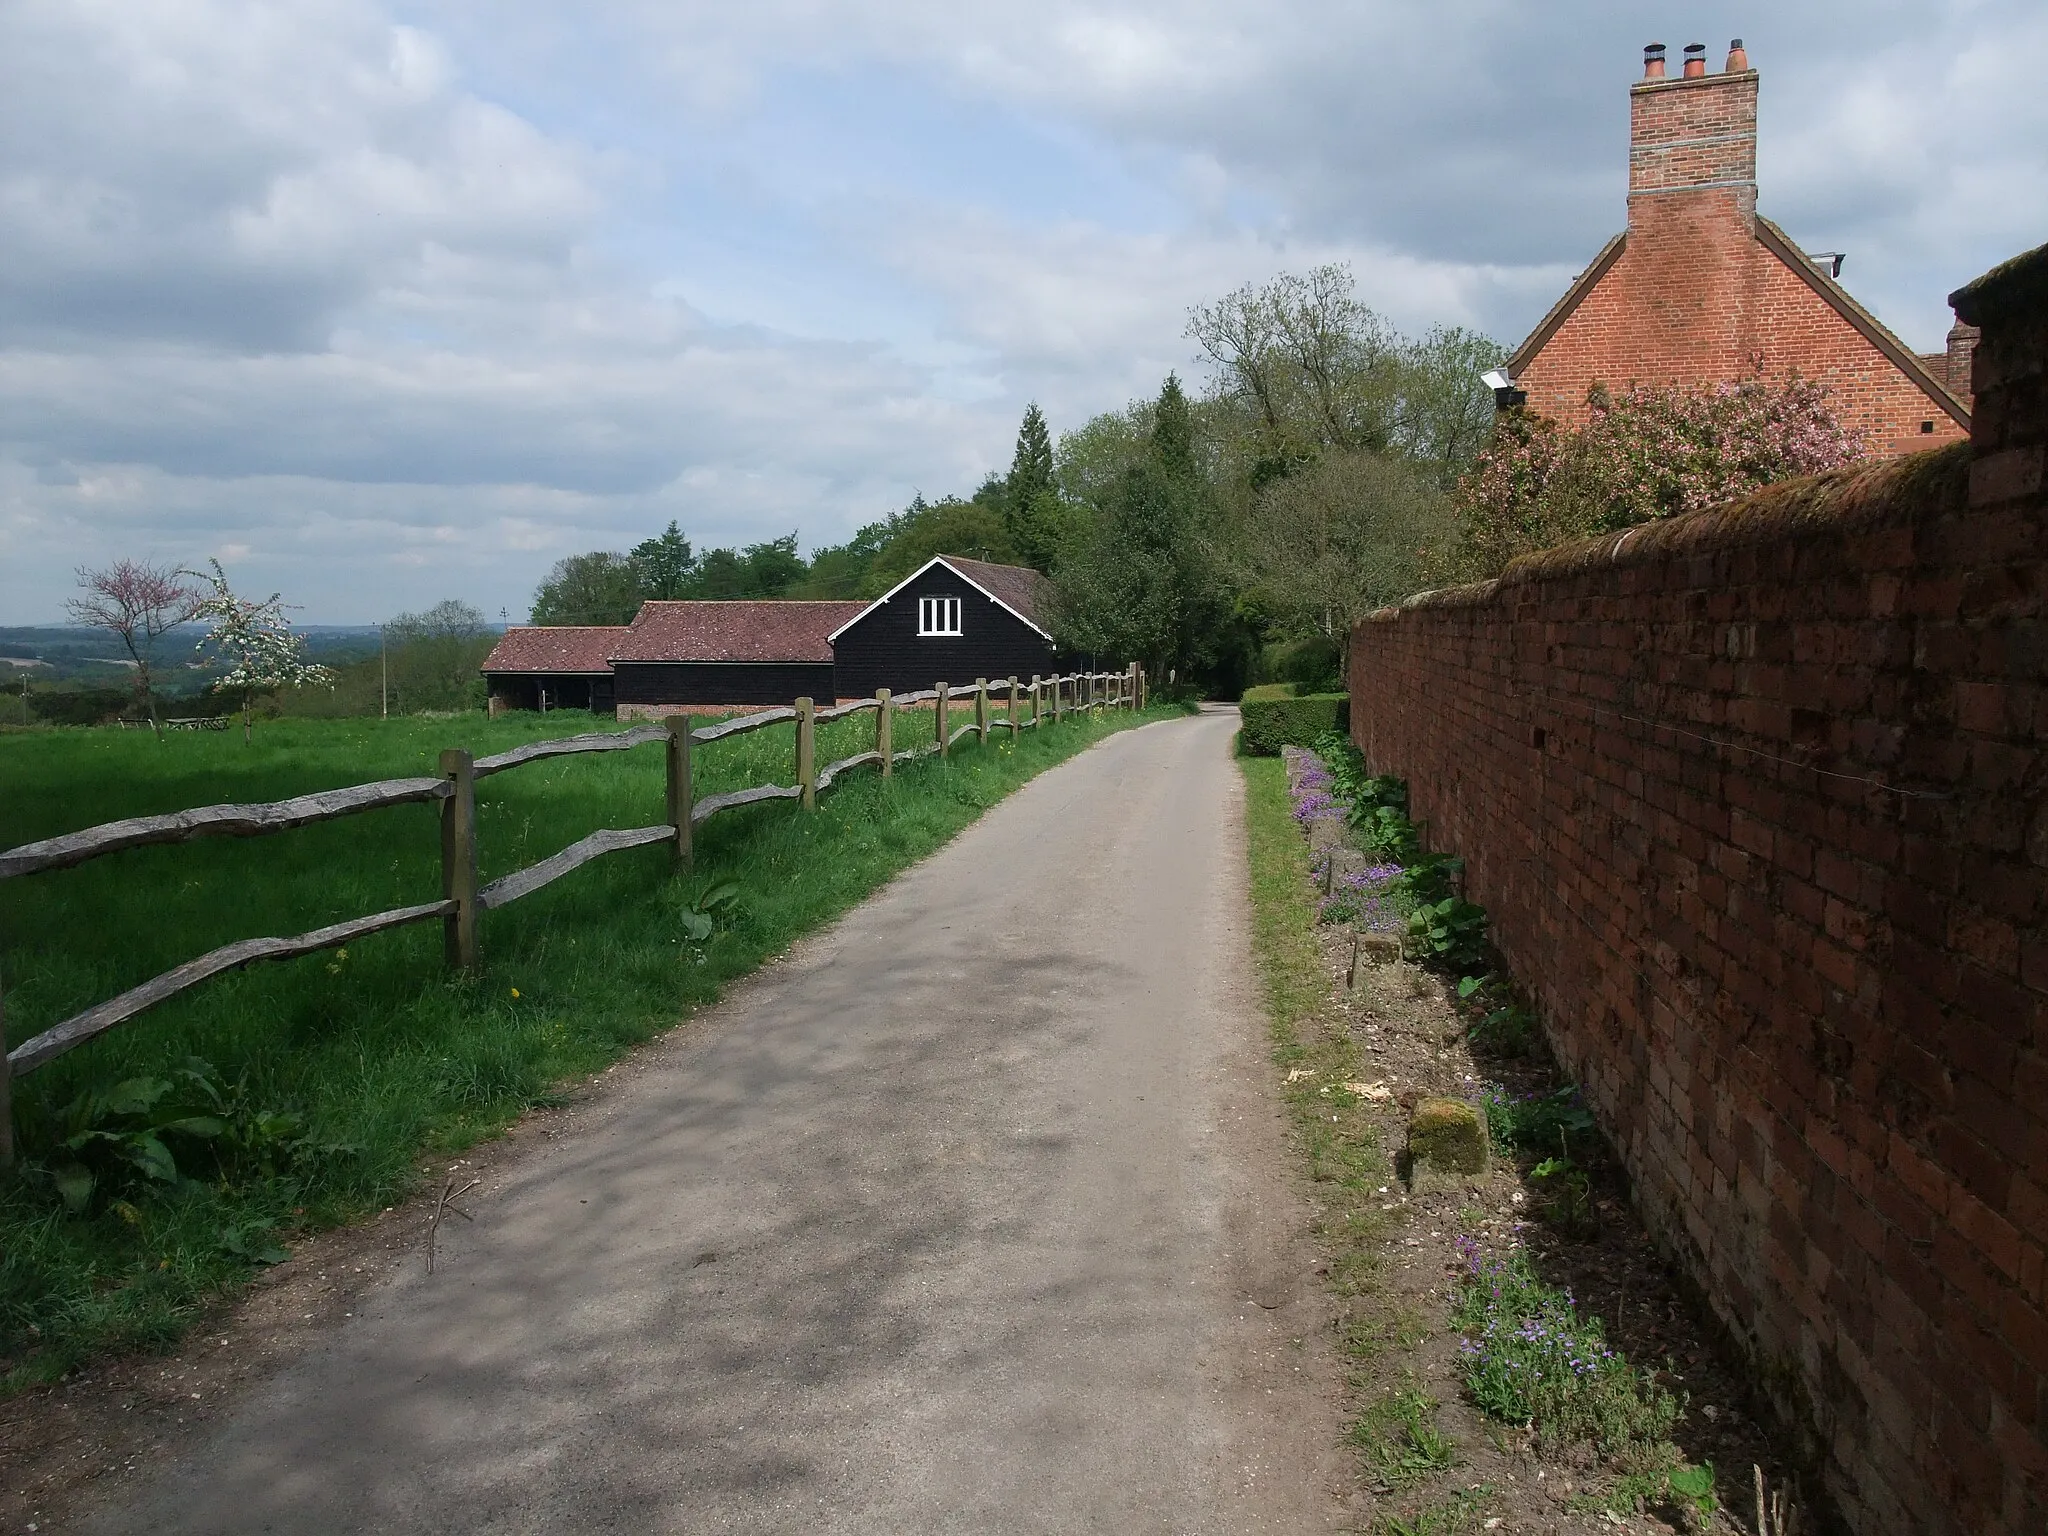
(137, 603)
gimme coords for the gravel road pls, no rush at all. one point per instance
(972, 1214)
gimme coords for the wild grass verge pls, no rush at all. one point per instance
(300, 1095)
(1349, 1169)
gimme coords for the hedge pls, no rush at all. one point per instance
(1274, 718)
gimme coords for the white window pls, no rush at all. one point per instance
(938, 615)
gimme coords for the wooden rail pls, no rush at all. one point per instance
(562, 746)
(96, 1020)
(463, 899)
(213, 821)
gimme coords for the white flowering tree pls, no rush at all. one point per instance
(256, 642)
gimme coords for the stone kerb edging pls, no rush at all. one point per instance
(1333, 856)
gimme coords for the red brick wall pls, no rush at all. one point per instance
(1757, 803)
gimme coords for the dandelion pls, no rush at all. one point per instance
(515, 993)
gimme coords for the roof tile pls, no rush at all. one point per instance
(1015, 586)
(569, 648)
(773, 629)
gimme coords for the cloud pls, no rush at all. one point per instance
(397, 308)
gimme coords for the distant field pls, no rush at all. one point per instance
(381, 1052)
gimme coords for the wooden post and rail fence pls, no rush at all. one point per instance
(463, 899)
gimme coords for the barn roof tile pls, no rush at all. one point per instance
(758, 630)
(556, 648)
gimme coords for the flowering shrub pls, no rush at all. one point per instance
(1651, 452)
(1366, 898)
(1529, 1358)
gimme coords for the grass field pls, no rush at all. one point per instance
(339, 1070)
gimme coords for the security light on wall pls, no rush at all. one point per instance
(1505, 396)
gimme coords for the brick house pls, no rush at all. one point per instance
(1700, 283)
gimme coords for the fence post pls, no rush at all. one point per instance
(981, 711)
(1131, 685)
(6, 1092)
(1034, 699)
(1059, 697)
(1139, 668)
(883, 743)
(1015, 724)
(806, 755)
(681, 799)
(458, 861)
(939, 716)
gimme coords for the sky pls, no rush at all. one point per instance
(384, 303)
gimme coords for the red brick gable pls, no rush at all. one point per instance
(1699, 285)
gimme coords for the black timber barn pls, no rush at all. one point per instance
(952, 621)
(771, 651)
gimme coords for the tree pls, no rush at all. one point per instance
(136, 602)
(1651, 452)
(1309, 369)
(596, 588)
(1033, 514)
(434, 656)
(256, 642)
(950, 526)
(665, 564)
(767, 569)
(1141, 584)
(1310, 366)
(1444, 411)
(1320, 549)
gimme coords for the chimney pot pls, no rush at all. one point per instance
(1695, 60)
(1738, 60)
(1653, 61)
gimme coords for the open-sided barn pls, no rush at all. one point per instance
(553, 666)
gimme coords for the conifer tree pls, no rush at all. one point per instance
(1031, 507)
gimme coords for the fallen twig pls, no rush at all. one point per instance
(442, 1205)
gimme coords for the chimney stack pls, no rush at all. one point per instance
(1692, 136)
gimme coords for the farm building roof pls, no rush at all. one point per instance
(1016, 587)
(769, 629)
(560, 648)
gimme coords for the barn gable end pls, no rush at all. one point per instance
(1001, 632)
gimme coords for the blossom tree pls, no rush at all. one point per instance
(1650, 452)
(136, 602)
(255, 639)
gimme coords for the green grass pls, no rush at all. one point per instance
(1348, 1168)
(376, 1052)
(1401, 1440)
